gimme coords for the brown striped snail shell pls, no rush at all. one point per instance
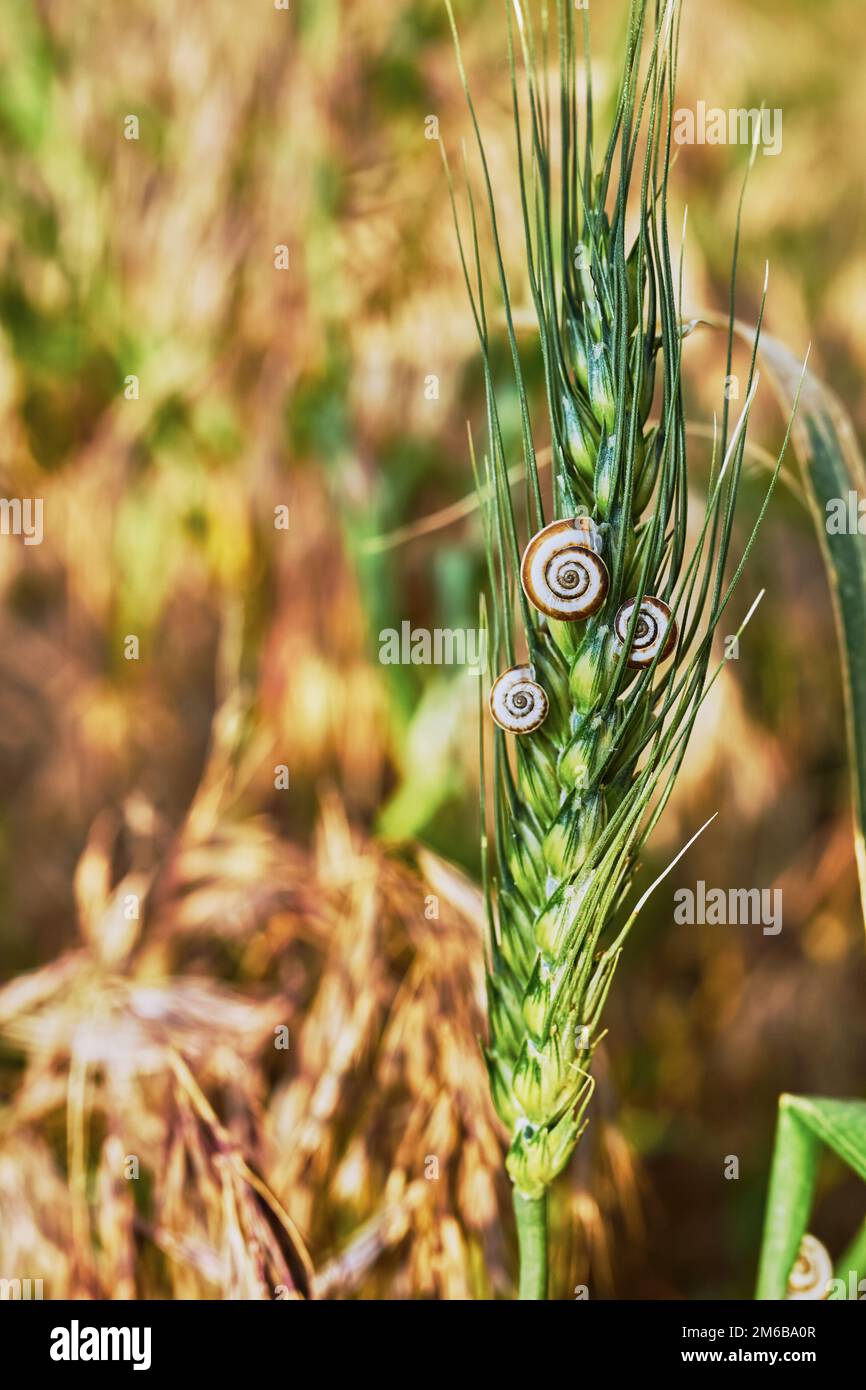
(562, 572)
(812, 1271)
(517, 702)
(655, 632)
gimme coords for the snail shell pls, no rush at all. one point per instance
(517, 702)
(812, 1271)
(562, 572)
(655, 631)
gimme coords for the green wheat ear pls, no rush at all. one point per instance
(615, 618)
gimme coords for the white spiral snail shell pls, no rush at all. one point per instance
(562, 572)
(812, 1271)
(517, 702)
(654, 635)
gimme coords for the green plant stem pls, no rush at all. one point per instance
(531, 1213)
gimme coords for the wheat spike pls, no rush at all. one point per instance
(614, 612)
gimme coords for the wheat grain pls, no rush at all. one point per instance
(616, 620)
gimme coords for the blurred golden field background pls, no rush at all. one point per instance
(340, 915)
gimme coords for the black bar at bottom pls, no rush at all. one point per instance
(291, 1338)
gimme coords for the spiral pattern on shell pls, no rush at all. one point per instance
(654, 635)
(562, 573)
(517, 702)
(812, 1271)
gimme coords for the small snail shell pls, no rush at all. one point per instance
(562, 573)
(655, 631)
(812, 1271)
(517, 702)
